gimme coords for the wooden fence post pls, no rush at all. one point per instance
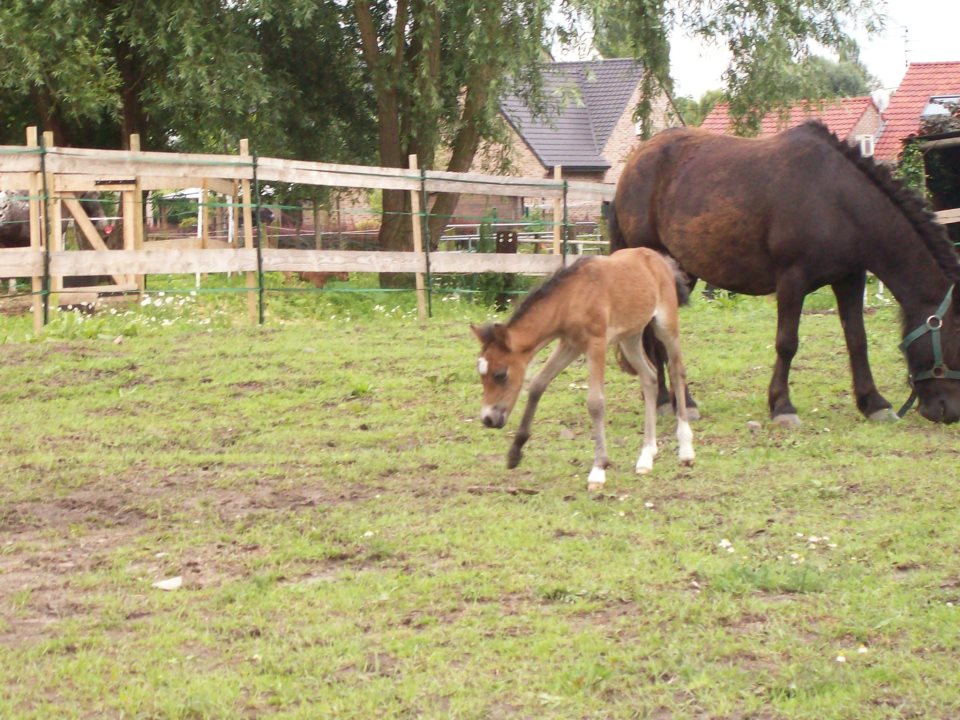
(415, 218)
(36, 232)
(139, 230)
(54, 219)
(557, 213)
(247, 201)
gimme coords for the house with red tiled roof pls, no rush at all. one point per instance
(854, 119)
(924, 83)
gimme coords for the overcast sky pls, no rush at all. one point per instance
(931, 27)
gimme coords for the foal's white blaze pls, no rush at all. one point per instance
(645, 461)
(685, 439)
(482, 366)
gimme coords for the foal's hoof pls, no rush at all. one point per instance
(596, 480)
(693, 414)
(665, 409)
(787, 420)
(884, 415)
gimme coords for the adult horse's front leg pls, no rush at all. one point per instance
(849, 294)
(790, 293)
(563, 355)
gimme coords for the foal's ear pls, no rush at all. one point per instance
(491, 333)
(483, 332)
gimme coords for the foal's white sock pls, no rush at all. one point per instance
(685, 439)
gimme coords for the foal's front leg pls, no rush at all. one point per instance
(563, 355)
(596, 361)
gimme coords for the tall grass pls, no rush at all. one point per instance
(351, 544)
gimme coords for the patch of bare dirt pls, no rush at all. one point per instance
(48, 546)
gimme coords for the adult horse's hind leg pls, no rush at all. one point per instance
(666, 402)
(849, 294)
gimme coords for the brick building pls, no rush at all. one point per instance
(588, 133)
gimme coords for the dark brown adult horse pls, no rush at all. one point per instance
(792, 213)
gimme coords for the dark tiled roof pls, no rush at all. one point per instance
(840, 116)
(592, 97)
(901, 119)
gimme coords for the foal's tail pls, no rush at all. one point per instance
(680, 278)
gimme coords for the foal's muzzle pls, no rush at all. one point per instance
(493, 417)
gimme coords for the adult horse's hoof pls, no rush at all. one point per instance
(665, 409)
(787, 420)
(693, 414)
(884, 415)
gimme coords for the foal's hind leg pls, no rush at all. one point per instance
(634, 351)
(666, 402)
(849, 294)
(669, 335)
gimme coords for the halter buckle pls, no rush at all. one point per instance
(934, 322)
(939, 371)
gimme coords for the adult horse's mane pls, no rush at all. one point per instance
(911, 204)
(547, 289)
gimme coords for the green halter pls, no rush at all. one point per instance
(939, 369)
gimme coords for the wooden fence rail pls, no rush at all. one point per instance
(52, 175)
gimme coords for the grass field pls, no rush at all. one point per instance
(351, 545)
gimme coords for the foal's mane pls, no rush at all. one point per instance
(547, 289)
(911, 204)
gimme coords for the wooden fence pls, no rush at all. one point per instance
(53, 177)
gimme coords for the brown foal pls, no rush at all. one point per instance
(596, 302)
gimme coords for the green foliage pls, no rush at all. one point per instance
(186, 75)
(694, 112)
(770, 43)
(910, 168)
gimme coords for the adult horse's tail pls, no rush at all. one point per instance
(617, 241)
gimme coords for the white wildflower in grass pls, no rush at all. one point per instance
(725, 544)
(841, 658)
(863, 650)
